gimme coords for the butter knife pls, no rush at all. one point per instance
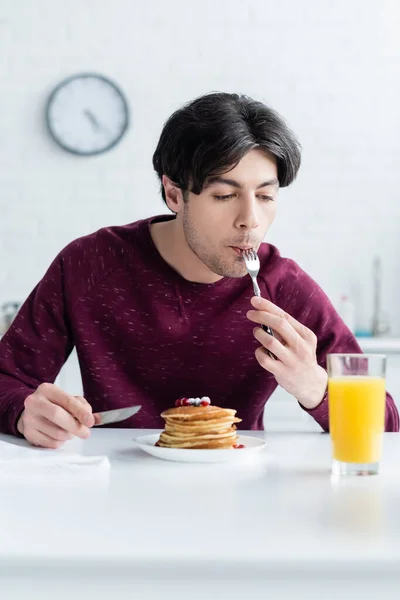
(116, 415)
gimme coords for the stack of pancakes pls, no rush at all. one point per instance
(199, 427)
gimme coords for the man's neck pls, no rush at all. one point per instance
(170, 241)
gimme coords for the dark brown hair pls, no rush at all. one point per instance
(210, 135)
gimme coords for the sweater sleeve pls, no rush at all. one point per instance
(35, 347)
(300, 296)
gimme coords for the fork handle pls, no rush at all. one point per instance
(257, 292)
(269, 330)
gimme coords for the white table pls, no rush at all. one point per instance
(276, 528)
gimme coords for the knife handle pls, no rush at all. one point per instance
(270, 332)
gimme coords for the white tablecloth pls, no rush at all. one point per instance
(279, 526)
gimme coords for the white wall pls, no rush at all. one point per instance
(330, 67)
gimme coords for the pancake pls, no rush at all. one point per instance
(199, 445)
(199, 427)
(197, 413)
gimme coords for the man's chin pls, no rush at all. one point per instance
(232, 268)
(236, 271)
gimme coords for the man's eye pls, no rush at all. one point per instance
(226, 197)
(266, 198)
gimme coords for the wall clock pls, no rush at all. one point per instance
(87, 114)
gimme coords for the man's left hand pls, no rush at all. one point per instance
(294, 345)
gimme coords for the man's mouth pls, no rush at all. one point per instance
(241, 249)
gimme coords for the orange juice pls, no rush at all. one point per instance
(356, 418)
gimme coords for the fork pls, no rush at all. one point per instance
(252, 263)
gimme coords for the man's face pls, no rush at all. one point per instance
(232, 212)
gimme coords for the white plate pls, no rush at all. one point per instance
(253, 446)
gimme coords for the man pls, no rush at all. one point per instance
(163, 308)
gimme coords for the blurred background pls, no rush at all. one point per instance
(331, 68)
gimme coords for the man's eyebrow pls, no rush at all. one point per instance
(236, 184)
(273, 181)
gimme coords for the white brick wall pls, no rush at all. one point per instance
(330, 67)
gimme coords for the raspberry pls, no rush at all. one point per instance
(181, 402)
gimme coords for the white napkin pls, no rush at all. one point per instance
(39, 465)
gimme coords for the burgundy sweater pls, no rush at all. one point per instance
(144, 335)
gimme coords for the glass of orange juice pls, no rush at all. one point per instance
(356, 395)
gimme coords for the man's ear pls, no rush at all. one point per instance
(173, 195)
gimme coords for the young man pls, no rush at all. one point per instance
(164, 308)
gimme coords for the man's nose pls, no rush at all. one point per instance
(248, 214)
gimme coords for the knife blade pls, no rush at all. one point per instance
(116, 415)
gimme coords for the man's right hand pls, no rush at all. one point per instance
(51, 417)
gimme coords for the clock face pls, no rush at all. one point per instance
(87, 114)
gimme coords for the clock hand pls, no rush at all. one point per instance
(92, 119)
(96, 124)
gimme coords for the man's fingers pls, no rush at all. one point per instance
(41, 406)
(272, 344)
(37, 438)
(97, 419)
(261, 304)
(54, 431)
(278, 324)
(268, 363)
(81, 411)
(83, 401)
(51, 417)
